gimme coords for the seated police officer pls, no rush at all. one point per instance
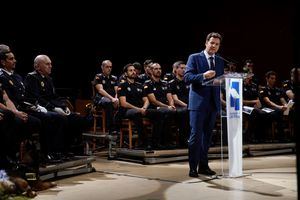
(160, 98)
(273, 97)
(180, 95)
(133, 102)
(106, 86)
(288, 85)
(170, 76)
(26, 124)
(40, 88)
(51, 137)
(134, 105)
(258, 119)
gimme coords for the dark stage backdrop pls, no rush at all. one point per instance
(78, 37)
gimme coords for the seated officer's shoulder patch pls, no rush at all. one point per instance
(171, 81)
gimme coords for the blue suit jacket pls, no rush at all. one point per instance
(200, 94)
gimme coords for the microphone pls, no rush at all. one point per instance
(227, 60)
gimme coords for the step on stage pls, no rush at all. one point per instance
(162, 156)
(77, 165)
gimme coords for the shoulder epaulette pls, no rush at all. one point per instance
(171, 81)
(32, 73)
(147, 81)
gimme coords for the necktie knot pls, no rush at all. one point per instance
(211, 63)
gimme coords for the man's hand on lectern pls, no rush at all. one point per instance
(209, 74)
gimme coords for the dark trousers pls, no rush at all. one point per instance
(258, 125)
(137, 119)
(107, 105)
(160, 118)
(162, 121)
(202, 123)
(14, 130)
(182, 122)
(52, 131)
(7, 134)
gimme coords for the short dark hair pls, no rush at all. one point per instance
(125, 68)
(137, 65)
(177, 64)
(270, 73)
(214, 35)
(147, 62)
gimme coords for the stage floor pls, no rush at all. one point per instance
(266, 177)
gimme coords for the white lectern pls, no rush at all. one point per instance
(233, 83)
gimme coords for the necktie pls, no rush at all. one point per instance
(211, 62)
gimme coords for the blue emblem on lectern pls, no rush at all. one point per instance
(234, 95)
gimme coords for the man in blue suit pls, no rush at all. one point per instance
(204, 102)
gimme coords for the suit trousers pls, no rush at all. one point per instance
(202, 123)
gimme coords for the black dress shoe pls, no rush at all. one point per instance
(193, 173)
(206, 171)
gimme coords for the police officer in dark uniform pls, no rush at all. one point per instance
(8, 134)
(148, 72)
(258, 119)
(26, 124)
(51, 137)
(106, 86)
(273, 97)
(249, 68)
(133, 102)
(170, 76)
(180, 94)
(138, 69)
(289, 88)
(288, 85)
(40, 87)
(160, 98)
(134, 105)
